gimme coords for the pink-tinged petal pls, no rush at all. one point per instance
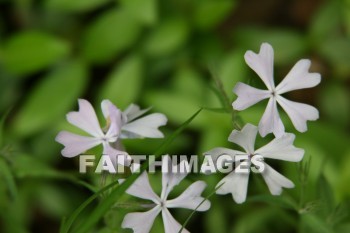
(141, 222)
(299, 78)
(142, 188)
(85, 119)
(275, 181)
(282, 148)
(75, 144)
(271, 121)
(262, 64)
(171, 178)
(170, 224)
(146, 126)
(133, 111)
(245, 138)
(117, 156)
(298, 113)
(236, 184)
(114, 118)
(191, 198)
(248, 96)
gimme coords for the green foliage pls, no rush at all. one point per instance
(31, 51)
(51, 98)
(169, 36)
(175, 57)
(74, 6)
(210, 13)
(146, 11)
(124, 83)
(101, 43)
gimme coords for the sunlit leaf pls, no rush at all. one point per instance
(143, 10)
(209, 13)
(169, 36)
(110, 34)
(30, 51)
(124, 83)
(50, 100)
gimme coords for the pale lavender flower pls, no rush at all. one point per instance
(141, 222)
(298, 78)
(281, 148)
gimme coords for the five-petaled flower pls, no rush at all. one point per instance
(298, 78)
(141, 222)
(118, 125)
(281, 148)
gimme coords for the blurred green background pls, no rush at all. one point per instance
(164, 53)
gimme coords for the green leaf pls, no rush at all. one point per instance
(25, 166)
(313, 223)
(325, 191)
(325, 22)
(123, 85)
(336, 50)
(109, 35)
(6, 173)
(280, 39)
(280, 201)
(346, 18)
(50, 100)
(232, 69)
(31, 51)
(2, 124)
(106, 204)
(209, 13)
(74, 6)
(338, 113)
(169, 36)
(176, 106)
(143, 10)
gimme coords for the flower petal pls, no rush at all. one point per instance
(191, 198)
(85, 119)
(262, 64)
(275, 181)
(245, 138)
(141, 222)
(215, 153)
(282, 148)
(75, 144)
(271, 121)
(170, 224)
(133, 111)
(117, 156)
(170, 178)
(141, 188)
(299, 78)
(236, 184)
(146, 126)
(248, 96)
(298, 113)
(113, 117)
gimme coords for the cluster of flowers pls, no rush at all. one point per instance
(132, 124)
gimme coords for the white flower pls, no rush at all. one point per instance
(141, 222)
(298, 78)
(280, 148)
(146, 126)
(118, 125)
(86, 120)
